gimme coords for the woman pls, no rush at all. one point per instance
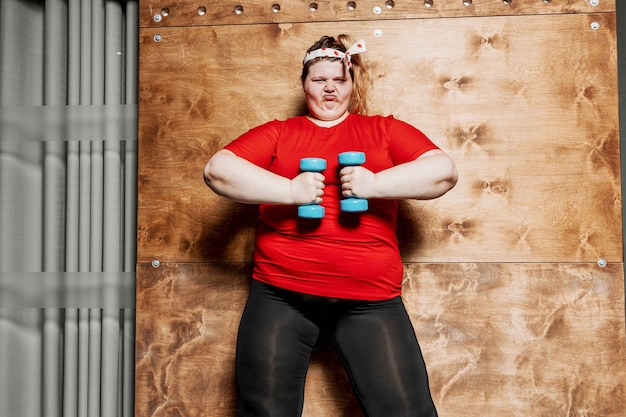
(342, 273)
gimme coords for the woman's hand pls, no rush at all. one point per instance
(307, 188)
(357, 181)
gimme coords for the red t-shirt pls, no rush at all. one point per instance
(352, 256)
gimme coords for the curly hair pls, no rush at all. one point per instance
(361, 80)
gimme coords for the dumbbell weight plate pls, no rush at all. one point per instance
(311, 211)
(312, 164)
(351, 158)
(354, 205)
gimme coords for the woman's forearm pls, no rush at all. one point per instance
(237, 179)
(430, 176)
(427, 177)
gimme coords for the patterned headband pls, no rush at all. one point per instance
(345, 57)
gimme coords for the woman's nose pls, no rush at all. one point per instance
(329, 86)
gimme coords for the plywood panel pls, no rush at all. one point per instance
(514, 315)
(162, 13)
(526, 105)
(498, 339)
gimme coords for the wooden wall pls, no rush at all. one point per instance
(514, 280)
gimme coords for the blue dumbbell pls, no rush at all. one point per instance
(353, 204)
(312, 210)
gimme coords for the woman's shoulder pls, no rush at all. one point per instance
(288, 122)
(374, 119)
(279, 124)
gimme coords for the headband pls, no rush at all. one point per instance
(345, 57)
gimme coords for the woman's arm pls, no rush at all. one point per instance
(237, 179)
(430, 176)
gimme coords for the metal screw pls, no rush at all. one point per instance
(602, 262)
(378, 9)
(595, 25)
(594, 2)
(378, 33)
(156, 263)
(158, 17)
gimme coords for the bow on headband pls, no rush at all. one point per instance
(345, 57)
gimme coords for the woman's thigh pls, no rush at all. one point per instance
(377, 344)
(274, 345)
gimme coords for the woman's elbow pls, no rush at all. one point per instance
(208, 173)
(449, 176)
(453, 175)
(212, 170)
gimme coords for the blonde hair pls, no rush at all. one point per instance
(361, 80)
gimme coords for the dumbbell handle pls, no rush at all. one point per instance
(352, 204)
(312, 210)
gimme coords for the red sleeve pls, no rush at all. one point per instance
(257, 145)
(407, 143)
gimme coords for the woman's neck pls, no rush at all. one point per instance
(327, 123)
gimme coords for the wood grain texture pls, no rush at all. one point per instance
(527, 106)
(498, 340)
(513, 314)
(163, 13)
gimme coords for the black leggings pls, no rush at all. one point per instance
(375, 341)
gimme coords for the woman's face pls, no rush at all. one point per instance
(328, 88)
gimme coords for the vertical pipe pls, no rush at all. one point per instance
(53, 213)
(71, 368)
(95, 363)
(21, 359)
(112, 213)
(72, 211)
(73, 147)
(96, 205)
(21, 243)
(83, 362)
(84, 219)
(70, 363)
(52, 345)
(128, 355)
(84, 211)
(130, 172)
(131, 70)
(97, 147)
